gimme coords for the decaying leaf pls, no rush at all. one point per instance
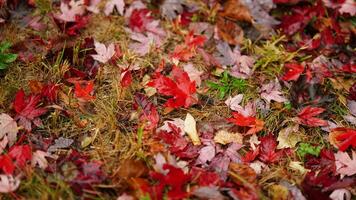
(225, 137)
(288, 137)
(229, 31)
(190, 128)
(8, 128)
(340, 194)
(345, 165)
(8, 183)
(60, 143)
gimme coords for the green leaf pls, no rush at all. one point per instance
(4, 46)
(3, 65)
(8, 58)
(306, 148)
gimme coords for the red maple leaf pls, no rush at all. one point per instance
(149, 111)
(306, 116)
(343, 137)
(6, 164)
(83, 90)
(187, 50)
(251, 155)
(139, 18)
(175, 180)
(268, 151)
(27, 109)
(293, 71)
(21, 154)
(180, 88)
(255, 124)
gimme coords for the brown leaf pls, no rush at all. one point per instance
(229, 31)
(131, 169)
(235, 10)
(242, 173)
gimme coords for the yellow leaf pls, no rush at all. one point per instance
(190, 128)
(225, 137)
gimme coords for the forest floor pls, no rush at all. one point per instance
(177, 99)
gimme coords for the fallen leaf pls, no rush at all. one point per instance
(143, 43)
(236, 10)
(224, 137)
(171, 8)
(229, 31)
(27, 109)
(39, 158)
(343, 138)
(255, 124)
(104, 54)
(288, 137)
(111, 4)
(293, 71)
(340, 194)
(191, 129)
(60, 143)
(193, 73)
(345, 166)
(307, 116)
(271, 91)
(278, 192)
(268, 153)
(8, 128)
(70, 10)
(206, 154)
(6, 164)
(181, 88)
(21, 154)
(83, 90)
(8, 183)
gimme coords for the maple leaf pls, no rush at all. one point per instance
(288, 137)
(27, 109)
(271, 91)
(111, 4)
(268, 151)
(8, 128)
(187, 50)
(21, 154)
(80, 22)
(6, 164)
(307, 116)
(83, 90)
(39, 158)
(144, 43)
(255, 124)
(8, 183)
(344, 164)
(71, 10)
(170, 8)
(104, 54)
(225, 137)
(340, 194)
(93, 6)
(343, 138)
(293, 71)
(234, 104)
(175, 179)
(149, 111)
(181, 88)
(59, 144)
(193, 73)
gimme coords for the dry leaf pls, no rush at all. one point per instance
(229, 31)
(225, 137)
(8, 183)
(8, 127)
(236, 10)
(191, 129)
(288, 137)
